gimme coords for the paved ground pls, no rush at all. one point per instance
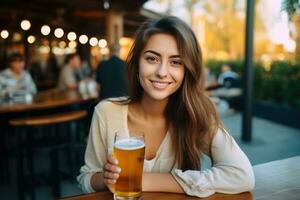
(271, 141)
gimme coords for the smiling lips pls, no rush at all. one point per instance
(160, 85)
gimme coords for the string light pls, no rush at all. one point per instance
(93, 41)
(31, 39)
(59, 32)
(83, 39)
(25, 24)
(4, 34)
(45, 30)
(102, 43)
(71, 36)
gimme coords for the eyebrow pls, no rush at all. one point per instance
(156, 53)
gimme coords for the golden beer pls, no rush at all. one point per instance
(130, 153)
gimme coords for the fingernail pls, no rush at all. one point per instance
(119, 169)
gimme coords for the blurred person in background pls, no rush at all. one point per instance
(228, 78)
(15, 79)
(76, 76)
(229, 91)
(110, 75)
(69, 78)
(168, 103)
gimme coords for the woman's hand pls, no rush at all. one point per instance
(111, 172)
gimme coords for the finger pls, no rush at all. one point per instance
(112, 160)
(109, 181)
(109, 175)
(112, 168)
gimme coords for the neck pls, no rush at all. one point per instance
(153, 108)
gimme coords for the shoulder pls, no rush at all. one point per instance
(222, 138)
(5, 72)
(111, 106)
(230, 74)
(116, 59)
(26, 74)
(216, 140)
(103, 63)
(2, 73)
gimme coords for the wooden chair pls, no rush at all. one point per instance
(25, 130)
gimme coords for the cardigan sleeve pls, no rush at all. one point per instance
(231, 172)
(3, 86)
(95, 154)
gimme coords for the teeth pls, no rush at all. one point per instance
(160, 85)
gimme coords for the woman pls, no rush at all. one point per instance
(15, 79)
(167, 101)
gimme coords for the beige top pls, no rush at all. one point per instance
(231, 171)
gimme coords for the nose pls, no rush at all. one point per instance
(162, 70)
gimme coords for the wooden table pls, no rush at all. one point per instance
(163, 196)
(46, 100)
(277, 180)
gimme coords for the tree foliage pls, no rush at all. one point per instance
(290, 6)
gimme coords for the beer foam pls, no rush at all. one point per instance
(129, 144)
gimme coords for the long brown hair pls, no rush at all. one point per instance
(191, 116)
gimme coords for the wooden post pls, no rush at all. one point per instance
(114, 27)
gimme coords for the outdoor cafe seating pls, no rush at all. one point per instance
(53, 139)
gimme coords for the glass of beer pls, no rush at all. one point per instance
(130, 152)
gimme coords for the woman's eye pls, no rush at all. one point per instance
(151, 59)
(176, 63)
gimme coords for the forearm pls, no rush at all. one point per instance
(160, 182)
(97, 182)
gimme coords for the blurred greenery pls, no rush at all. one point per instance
(279, 85)
(290, 6)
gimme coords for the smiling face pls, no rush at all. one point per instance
(161, 70)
